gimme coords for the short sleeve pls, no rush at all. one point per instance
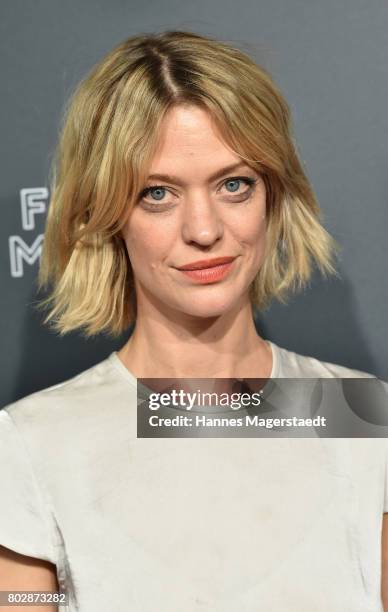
(25, 520)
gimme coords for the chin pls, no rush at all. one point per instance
(209, 308)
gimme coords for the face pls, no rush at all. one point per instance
(200, 202)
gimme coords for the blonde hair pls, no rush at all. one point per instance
(108, 137)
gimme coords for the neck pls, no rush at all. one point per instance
(227, 346)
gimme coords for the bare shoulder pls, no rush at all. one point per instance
(23, 573)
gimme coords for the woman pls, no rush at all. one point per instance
(177, 153)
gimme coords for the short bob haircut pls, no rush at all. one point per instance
(108, 137)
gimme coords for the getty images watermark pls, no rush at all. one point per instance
(276, 407)
(34, 598)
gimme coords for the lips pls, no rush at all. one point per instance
(206, 263)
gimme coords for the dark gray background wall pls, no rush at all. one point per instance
(331, 61)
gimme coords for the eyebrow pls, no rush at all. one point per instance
(175, 179)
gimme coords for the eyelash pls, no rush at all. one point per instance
(250, 182)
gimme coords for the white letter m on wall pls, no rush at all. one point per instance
(19, 251)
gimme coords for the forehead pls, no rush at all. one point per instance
(188, 135)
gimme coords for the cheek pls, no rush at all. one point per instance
(252, 222)
(146, 241)
(251, 235)
(252, 229)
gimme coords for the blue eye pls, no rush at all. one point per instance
(157, 193)
(234, 183)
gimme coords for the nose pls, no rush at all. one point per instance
(201, 221)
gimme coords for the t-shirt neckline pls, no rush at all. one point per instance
(131, 378)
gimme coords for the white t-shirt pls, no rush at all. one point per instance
(195, 524)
